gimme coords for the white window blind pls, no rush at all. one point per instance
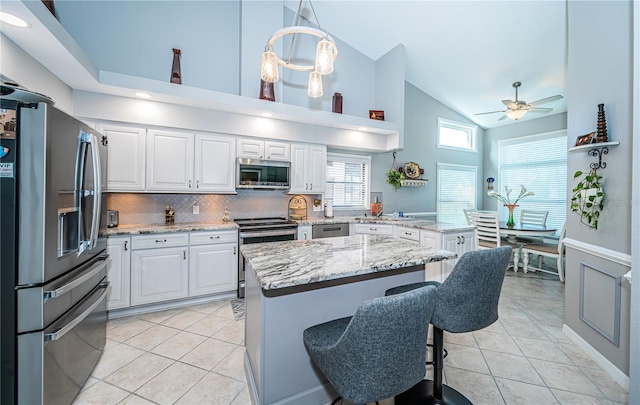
(348, 180)
(538, 162)
(456, 191)
(456, 135)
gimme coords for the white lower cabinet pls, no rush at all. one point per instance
(458, 242)
(119, 270)
(305, 232)
(213, 262)
(159, 268)
(373, 229)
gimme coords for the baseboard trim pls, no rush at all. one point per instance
(161, 306)
(614, 372)
(604, 253)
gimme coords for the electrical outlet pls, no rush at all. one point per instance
(196, 209)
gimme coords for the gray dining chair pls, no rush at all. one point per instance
(466, 301)
(379, 352)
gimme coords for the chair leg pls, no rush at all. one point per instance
(433, 392)
(525, 261)
(516, 259)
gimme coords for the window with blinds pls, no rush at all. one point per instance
(456, 191)
(348, 181)
(538, 162)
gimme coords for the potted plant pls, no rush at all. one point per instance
(588, 198)
(395, 177)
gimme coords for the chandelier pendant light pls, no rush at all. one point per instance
(326, 54)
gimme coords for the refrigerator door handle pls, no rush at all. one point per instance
(97, 191)
(91, 140)
(66, 328)
(78, 281)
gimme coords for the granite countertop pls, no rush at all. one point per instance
(139, 229)
(425, 224)
(295, 263)
(135, 229)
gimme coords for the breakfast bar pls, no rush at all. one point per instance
(293, 285)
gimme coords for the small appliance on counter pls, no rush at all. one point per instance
(297, 208)
(113, 218)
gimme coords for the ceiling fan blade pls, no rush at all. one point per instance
(539, 110)
(492, 112)
(510, 104)
(503, 117)
(546, 100)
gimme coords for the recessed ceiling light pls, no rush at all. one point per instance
(266, 114)
(13, 20)
(362, 129)
(142, 95)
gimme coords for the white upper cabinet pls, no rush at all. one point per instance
(169, 161)
(308, 169)
(277, 151)
(215, 163)
(267, 150)
(126, 157)
(184, 162)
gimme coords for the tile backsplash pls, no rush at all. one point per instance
(149, 208)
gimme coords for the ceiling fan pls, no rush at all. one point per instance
(518, 108)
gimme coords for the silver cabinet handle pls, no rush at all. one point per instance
(66, 328)
(373, 229)
(310, 186)
(197, 183)
(73, 284)
(126, 247)
(234, 250)
(184, 255)
(189, 183)
(214, 237)
(462, 236)
(306, 186)
(457, 240)
(161, 240)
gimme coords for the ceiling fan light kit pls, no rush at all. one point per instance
(518, 108)
(326, 54)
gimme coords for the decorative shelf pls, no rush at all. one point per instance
(596, 150)
(414, 183)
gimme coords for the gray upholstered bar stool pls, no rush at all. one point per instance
(379, 352)
(466, 301)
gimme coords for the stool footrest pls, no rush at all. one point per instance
(422, 393)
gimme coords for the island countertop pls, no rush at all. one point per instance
(295, 263)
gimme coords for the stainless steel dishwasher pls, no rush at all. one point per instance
(329, 230)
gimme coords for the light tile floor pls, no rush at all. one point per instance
(195, 355)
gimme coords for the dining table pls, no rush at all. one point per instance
(511, 232)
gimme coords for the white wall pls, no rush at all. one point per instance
(17, 65)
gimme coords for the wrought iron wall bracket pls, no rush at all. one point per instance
(598, 152)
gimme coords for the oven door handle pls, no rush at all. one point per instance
(66, 328)
(267, 233)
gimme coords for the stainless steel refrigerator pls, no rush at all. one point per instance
(53, 278)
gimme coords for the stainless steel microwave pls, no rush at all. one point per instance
(263, 174)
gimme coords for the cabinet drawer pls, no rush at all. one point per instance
(159, 240)
(408, 233)
(207, 238)
(374, 229)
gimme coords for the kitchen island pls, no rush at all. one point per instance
(293, 285)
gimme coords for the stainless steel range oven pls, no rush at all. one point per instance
(262, 230)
